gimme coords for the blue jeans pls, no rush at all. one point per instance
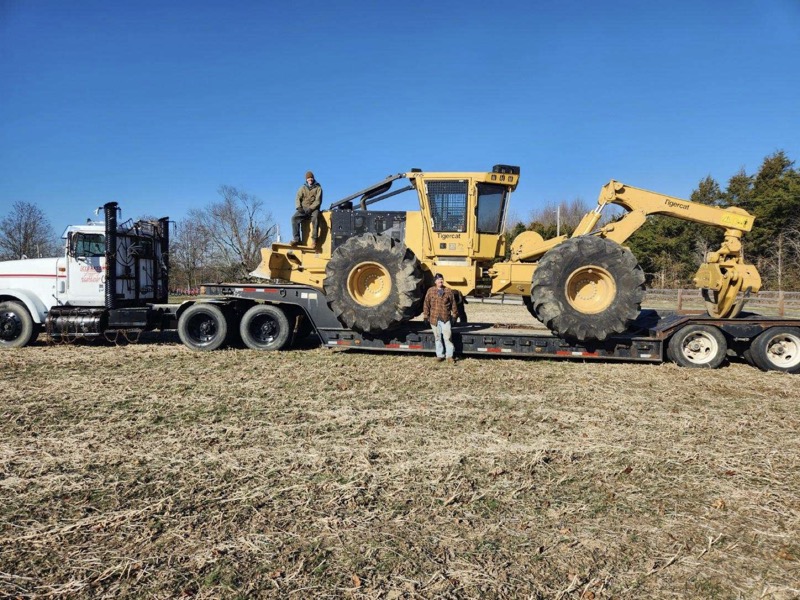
(442, 330)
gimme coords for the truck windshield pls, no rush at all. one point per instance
(491, 205)
(448, 202)
(89, 244)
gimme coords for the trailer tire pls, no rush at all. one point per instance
(203, 327)
(697, 346)
(777, 349)
(17, 328)
(265, 327)
(587, 288)
(373, 283)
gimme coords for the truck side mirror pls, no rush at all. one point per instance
(72, 241)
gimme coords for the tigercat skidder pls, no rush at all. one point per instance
(373, 266)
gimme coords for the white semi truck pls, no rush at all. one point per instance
(110, 278)
(114, 278)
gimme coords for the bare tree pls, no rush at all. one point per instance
(190, 255)
(237, 228)
(782, 261)
(26, 233)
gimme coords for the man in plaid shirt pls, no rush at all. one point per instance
(440, 310)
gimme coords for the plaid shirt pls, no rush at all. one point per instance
(439, 308)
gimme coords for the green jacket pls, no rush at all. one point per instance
(309, 198)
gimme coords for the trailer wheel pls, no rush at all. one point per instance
(587, 288)
(203, 327)
(777, 349)
(265, 327)
(17, 328)
(697, 346)
(373, 283)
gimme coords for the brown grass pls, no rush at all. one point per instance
(151, 471)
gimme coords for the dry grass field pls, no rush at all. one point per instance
(151, 471)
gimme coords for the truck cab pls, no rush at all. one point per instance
(105, 269)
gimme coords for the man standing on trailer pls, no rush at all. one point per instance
(440, 310)
(307, 203)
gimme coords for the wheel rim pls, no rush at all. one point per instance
(263, 329)
(202, 329)
(369, 283)
(10, 326)
(590, 289)
(784, 351)
(700, 347)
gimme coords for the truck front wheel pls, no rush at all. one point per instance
(16, 326)
(203, 327)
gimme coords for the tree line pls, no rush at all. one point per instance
(670, 250)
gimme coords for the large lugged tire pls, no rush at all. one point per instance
(17, 328)
(373, 283)
(777, 349)
(587, 288)
(203, 327)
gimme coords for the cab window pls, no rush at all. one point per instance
(491, 205)
(448, 204)
(88, 244)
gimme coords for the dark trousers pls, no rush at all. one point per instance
(301, 216)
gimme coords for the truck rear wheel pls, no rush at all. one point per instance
(777, 349)
(203, 327)
(17, 328)
(265, 327)
(373, 283)
(587, 288)
(697, 346)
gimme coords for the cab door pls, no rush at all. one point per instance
(86, 264)
(448, 201)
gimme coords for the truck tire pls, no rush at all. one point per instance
(265, 327)
(373, 283)
(17, 328)
(587, 288)
(697, 346)
(203, 327)
(777, 349)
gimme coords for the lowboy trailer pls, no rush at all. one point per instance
(276, 316)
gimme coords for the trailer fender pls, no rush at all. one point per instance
(35, 306)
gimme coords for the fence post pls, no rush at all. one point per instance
(781, 303)
(680, 298)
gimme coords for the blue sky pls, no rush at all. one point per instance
(157, 104)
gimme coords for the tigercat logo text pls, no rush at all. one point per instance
(673, 204)
(450, 236)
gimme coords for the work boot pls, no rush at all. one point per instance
(451, 360)
(440, 359)
(294, 242)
